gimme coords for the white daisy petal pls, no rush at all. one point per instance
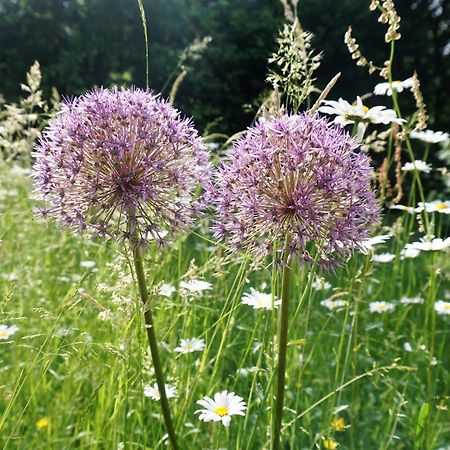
(418, 165)
(260, 300)
(429, 136)
(153, 391)
(224, 405)
(442, 307)
(439, 206)
(381, 307)
(436, 244)
(190, 345)
(195, 286)
(6, 332)
(359, 113)
(398, 86)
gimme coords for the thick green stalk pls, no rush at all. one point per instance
(282, 348)
(149, 326)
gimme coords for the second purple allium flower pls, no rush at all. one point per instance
(121, 162)
(298, 178)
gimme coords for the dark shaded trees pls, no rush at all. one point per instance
(83, 43)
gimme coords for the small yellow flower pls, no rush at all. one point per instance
(338, 424)
(298, 385)
(329, 444)
(43, 423)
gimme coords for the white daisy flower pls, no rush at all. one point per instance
(319, 284)
(383, 257)
(381, 307)
(408, 253)
(348, 114)
(436, 244)
(220, 409)
(407, 347)
(190, 345)
(420, 166)
(333, 304)
(6, 332)
(409, 209)
(362, 115)
(411, 300)
(87, 264)
(368, 244)
(153, 391)
(166, 290)
(435, 206)
(196, 285)
(432, 137)
(259, 300)
(442, 307)
(398, 86)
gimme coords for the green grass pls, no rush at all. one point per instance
(86, 375)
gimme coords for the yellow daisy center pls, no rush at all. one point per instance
(442, 206)
(3, 333)
(221, 411)
(447, 307)
(366, 109)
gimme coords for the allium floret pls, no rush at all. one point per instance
(297, 178)
(121, 162)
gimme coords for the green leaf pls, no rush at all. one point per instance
(420, 427)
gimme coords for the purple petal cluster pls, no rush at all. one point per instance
(121, 163)
(295, 179)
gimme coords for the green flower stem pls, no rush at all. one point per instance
(149, 326)
(282, 347)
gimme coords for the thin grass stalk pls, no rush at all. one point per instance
(153, 344)
(282, 349)
(144, 27)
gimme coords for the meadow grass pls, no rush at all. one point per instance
(360, 375)
(70, 378)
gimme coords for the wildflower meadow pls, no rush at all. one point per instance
(169, 285)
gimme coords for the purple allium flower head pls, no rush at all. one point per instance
(299, 178)
(121, 162)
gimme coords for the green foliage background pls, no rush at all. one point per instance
(83, 43)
